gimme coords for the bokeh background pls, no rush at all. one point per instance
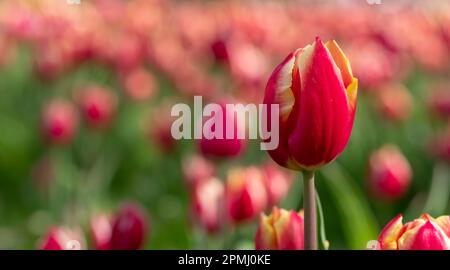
(86, 89)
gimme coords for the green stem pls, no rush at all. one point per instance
(310, 228)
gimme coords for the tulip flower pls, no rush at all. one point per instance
(129, 228)
(59, 122)
(281, 230)
(439, 146)
(316, 93)
(159, 128)
(97, 104)
(62, 238)
(424, 233)
(207, 205)
(389, 173)
(100, 231)
(245, 194)
(223, 147)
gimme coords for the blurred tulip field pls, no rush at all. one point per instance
(88, 161)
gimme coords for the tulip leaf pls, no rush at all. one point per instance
(359, 224)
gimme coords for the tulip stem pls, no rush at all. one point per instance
(309, 205)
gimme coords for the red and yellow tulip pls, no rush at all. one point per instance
(281, 230)
(316, 91)
(424, 233)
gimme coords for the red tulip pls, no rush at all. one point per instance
(62, 238)
(100, 231)
(245, 194)
(196, 170)
(281, 230)
(98, 105)
(316, 91)
(207, 205)
(129, 228)
(424, 233)
(59, 122)
(159, 129)
(389, 173)
(394, 102)
(225, 147)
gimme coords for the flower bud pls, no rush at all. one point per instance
(281, 230)
(207, 205)
(97, 104)
(389, 173)
(59, 122)
(439, 101)
(316, 93)
(100, 231)
(424, 233)
(245, 194)
(129, 228)
(223, 147)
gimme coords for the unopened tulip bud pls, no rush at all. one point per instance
(394, 102)
(316, 92)
(59, 122)
(100, 231)
(208, 205)
(62, 238)
(281, 230)
(129, 228)
(245, 194)
(224, 147)
(424, 233)
(389, 173)
(97, 104)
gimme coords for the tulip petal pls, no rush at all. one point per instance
(279, 90)
(289, 231)
(444, 223)
(426, 237)
(341, 61)
(265, 238)
(390, 233)
(322, 114)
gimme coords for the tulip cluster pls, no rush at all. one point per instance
(125, 230)
(246, 192)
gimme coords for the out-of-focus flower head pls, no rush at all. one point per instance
(245, 194)
(59, 121)
(97, 104)
(389, 173)
(208, 205)
(139, 84)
